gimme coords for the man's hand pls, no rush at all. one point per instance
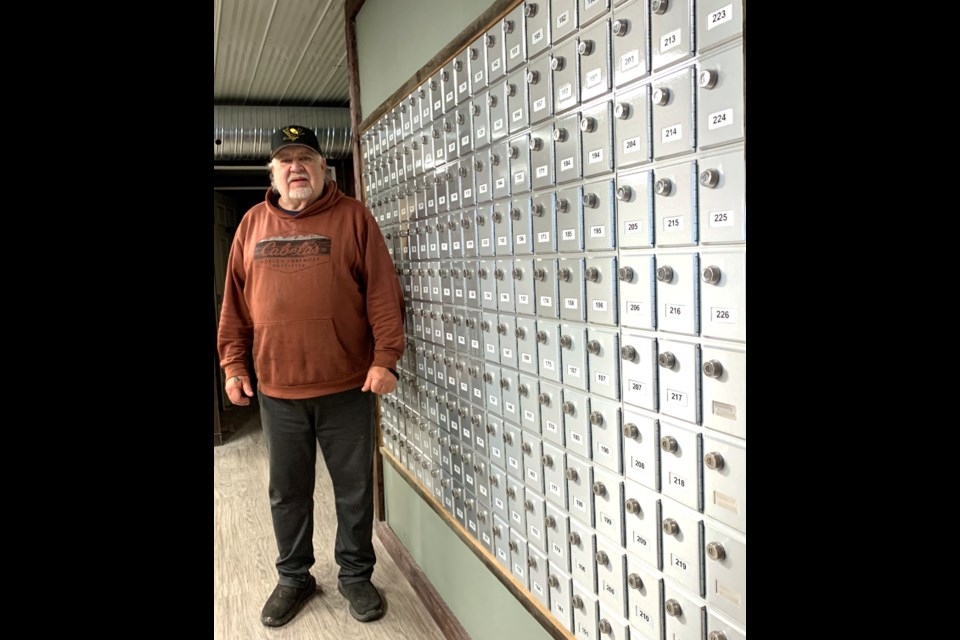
(239, 390)
(379, 380)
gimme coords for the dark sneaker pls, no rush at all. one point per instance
(365, 602)
(285, 602)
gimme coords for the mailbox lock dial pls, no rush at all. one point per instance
(557, 63)
(542, 336)
(709, 178)
(528, 505)
(602, 557)
(519, 332)
(588, 125)
(508, 26)
(717, 635)
(670, 527)
(590, 199)
(547, 460)
(536, 144)
(563, 205)
(526, 448)
(661, 96)
(605, 626)
(628, 353)
(632, 506)
(544, 399)
(625, 273)
(667, 360)
(585, 47)
(577, 602)
(513, 546)
(533, 77)
(635, 581)
(713, 461)
(569, 408)
(592, 274)
(715, 551)
(620, 27)
(530, 10)
(593, 347)
(630, 430)
(572, 475)
(508, 438)
(668, 443)
(490, 40)
(599, 489)
(712, 369)
(672, 606)
(564, 274)
(566, 342)
(659, 6)
(596, 418)
(622, 110)
(538, 211)
(710, 275)
(663, 187)
(624, 193)
(707, 79)
(665, 274)
(492, 100)
(553, 581)
(574, 538)
(515, 213)
(511, 492)
(559, 135)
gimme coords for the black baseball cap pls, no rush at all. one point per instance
(292, 135)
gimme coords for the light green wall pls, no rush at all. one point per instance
(485, 608)
(397, 37)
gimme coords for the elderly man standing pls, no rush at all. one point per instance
(313, 307)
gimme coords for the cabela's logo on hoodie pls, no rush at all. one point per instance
(292, 253)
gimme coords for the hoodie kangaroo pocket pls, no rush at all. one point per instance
(301, 352)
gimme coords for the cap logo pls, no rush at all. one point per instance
(293, 133)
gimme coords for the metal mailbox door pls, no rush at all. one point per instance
(641, 507)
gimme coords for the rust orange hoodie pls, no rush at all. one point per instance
(311, 299)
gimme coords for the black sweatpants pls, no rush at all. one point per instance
(343, 425)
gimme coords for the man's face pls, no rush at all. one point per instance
(298, 173)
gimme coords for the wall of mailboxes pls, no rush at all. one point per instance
(565, 204)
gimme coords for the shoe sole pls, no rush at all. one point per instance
(270, 622)
(368, 616)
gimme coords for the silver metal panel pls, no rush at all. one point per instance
(593, 49)
(497, 111)
(490, 338)
(537, 569)
(561, 587)
(679, 380)
(488, 293)
(683, 546)
(723, 292)
(498, 491)
(644, 601)
(468, 227)
(509, 383)
(449, 86)
(499, 161)
(606, 434)
(576, 422)
(496, 57)
(543, 216)
(586, 613)
(472, 320)
(477, 65)
(580, 488)
(563, 16)
(512, 453)
(573, 358)
(635, 209)
(565, 79)
(583, 551)
(536, 512)
(685, 617)
(724, 389)
(526, 299)
(591, 10)
(719, 628)
(529, 391)
(515, 497)
(611, 626)
(720, 115)
(596, 128)
(503, 274)
(461, 77)
(726, 571)
(536, 17)
(518, 150)
(608, 504)
(631, 42)
(671, 32)
(721, 198)
(435, 84)
(539, 79)
(517, 100)
(641, 516)
(491, 388)
(518, 557)
(673, 114)
(532, 449)
(548, 351)
(481, 476)
(484, 527)
(480, 120)
(601, 280)
(541, 167)
(638, 370)
(554, 465)
(612, 576)
(677, 293)
(572, 289)
(725, 480)
(718, 21)
(603, 362)
(450, 135)
(569, 219)
(547, 287)
(681, 452)
(551, 420)
(675, 198)
(501, 541)
(566, 138)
